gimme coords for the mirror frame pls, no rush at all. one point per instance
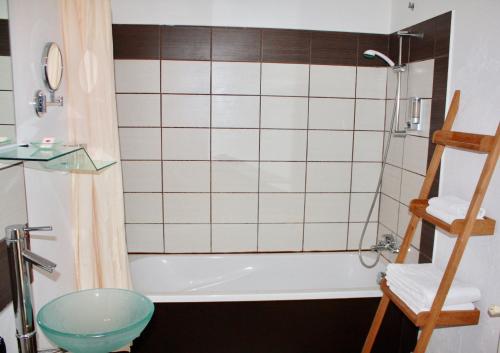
(45, 66)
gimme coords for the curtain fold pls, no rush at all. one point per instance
(98, 213)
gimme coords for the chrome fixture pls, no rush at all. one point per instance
(414, 121)
(52, 65)
(394, 131)
(380, 276)
(21, 260)
(388, 243)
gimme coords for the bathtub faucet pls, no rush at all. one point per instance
(388, 243)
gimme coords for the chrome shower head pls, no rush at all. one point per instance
(370, 54)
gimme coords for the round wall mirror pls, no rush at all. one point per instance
(52, 66)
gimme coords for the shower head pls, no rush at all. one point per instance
(370, 54)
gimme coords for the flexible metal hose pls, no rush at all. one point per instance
(380, 178)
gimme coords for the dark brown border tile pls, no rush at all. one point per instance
(136, 42)
(334, 48)
(185, 43)
(394, 49)
(422, 48)
(426, 242)
(236, 44)
(286, 46)
(379, 42)
(4, 38)
(5, 294)
(442, 25)
(440, 82)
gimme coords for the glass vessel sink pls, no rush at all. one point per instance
(95, 320)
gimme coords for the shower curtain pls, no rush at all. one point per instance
(98, 215)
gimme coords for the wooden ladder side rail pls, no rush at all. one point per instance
(459, 248)
(412, 226)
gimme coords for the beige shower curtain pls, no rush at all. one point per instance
(98, 215)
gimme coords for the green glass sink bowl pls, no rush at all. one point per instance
(95, 320)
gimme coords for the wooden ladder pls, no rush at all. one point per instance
(464, 228)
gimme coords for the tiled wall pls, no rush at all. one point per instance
(408, 160)
(245, 140)
(7, 120)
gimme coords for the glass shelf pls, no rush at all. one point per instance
(74, 159)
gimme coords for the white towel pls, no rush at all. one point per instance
(423, 280)
(418, 307)
(452, 205)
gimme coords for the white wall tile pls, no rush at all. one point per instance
(325, 236)
(137, 76)
(186, 144)
(284, 112)
(368, 146)
(282, 176)
(281, 208)
(392, 81)
(389, 211)
(365, 176)
(330, 146)
(7, 115)
(8, 131)
(391, 182)
(328, 177)
(143, 208)
(333, 81)
(235, 111)
(187, 238)
(235, 176)
(410, 186)
(186, 176)
(187, 208)
(13, 205)
(138, 109)
(280, 237)
(137, 143)
(5, 73)
(370, 114)
(355, 230)
(186, 110)
(390, 110)
(144, 238)
(234, 237)
(141, 176)
(235, 144)
(371, 82)
(327, 207)
(331, 113)
(421, 77)
(396, 149)
(283, 145)
(234, 208)
(360, 205)
(285, 79)
(185, 76)
(235, 78)
(415, 154)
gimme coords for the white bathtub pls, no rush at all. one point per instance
(253, 277)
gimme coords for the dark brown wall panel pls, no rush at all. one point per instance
(5, 294)
(394, 49)
(136, 42)
(236, 44)
(185, 43)
(442, 32)
(4, 38)
(286, 46)
(379, 42)
(422, 48)
(334, 48)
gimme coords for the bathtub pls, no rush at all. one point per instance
(250, 277)
(265, 303)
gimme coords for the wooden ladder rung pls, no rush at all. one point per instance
(464, 140)
(446, 318)
(484, 226)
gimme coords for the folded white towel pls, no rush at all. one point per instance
(442, 214)
(418, 307)
(452, 205)
(422, 281)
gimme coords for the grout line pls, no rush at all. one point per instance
(161, 156)
(307, 155)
